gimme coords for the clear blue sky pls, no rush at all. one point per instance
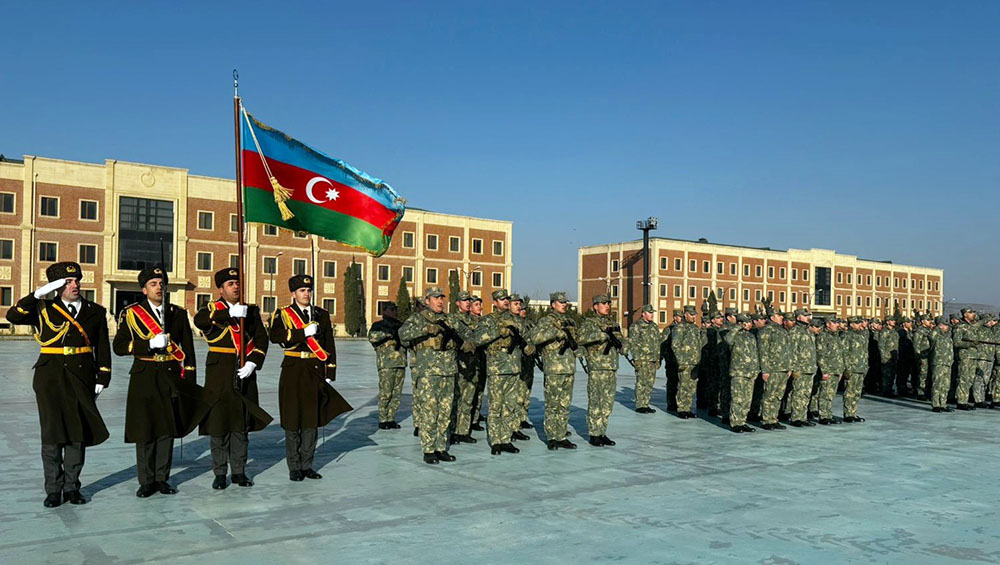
(871, 128)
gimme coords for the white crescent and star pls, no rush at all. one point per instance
(331, 193)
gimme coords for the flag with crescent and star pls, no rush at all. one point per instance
(290, 185)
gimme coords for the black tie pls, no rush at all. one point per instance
(72, 310)
(156, 312)
(305, 316)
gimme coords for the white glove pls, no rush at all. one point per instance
(246, 370)
(238, 311)
(311, 329)
(159, 341)
(329, 382)
(98, 389)
(54, 285)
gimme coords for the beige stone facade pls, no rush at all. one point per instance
(685, 272)
(71, 211)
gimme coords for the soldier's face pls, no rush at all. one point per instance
(789, 323)
(717, 322)
(230, 291)
(389, 313)
(969, 317)
(991, 323)
(602, 308)
(689, 318)
(648, 316)
(153, 289)
(303, 296)
(746, 325)
(731, 319)
(71, 291)
(515, 307)
(815, 329)
(463, 305)
(476, 308)
(760, 323)
(502, 305)
(944, 327)
(559, 306)
(908, 325)
(677, 319)
(435, 303)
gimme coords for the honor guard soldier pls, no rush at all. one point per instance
(306, 397)
(73, 367)
(164, 400)
(231, 389)
(391, 363)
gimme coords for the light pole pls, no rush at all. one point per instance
(468, 273)
(645, 226)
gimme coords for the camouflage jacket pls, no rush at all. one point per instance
(744, 358)
(499, 332)
(830, 353)
(434, 350)
(389, 350)
(685, 343)
(921, 343)
(549, 336)
(942, 349)
(856, 351)
(594, 340)
(723, 348)
(888, 344)
(803, 349)
(964, 331)
(775, 349)
(984, 351)
(644, 340)
(905, 338)
(995, 336)
(468, 360)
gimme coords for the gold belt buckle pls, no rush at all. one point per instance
(161, 357)
(69, 350)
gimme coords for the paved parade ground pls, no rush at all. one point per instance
(908, 486)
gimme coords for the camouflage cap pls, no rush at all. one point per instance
(476, 298)
(757, 316)
(817, 322)
(905, 319)
(743, 318)
(690, 310)
(876, 321)
(462, 295)
(967, 310)
(558, 297)
(602, 299)
(516, 298)
(648, 308)
(854, 320)
(953, 316)
(732, 311)
(716, 314)
(679, 313)
(433, 291)
(941, 321)
(500, 294)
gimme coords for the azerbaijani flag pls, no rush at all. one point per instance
(290, 185)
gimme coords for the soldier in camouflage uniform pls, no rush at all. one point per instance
(995, 372)
(434, 338)
(907, 358)
(643, 344)
(855, 367)
(670, 361)
(921, 339)
(888, 349)
(502, 335)
(744, 367)
(468, 373)
(803, 341)
(554, 335)
(830, 361)
(601, 338)
(476, 309)
(390, 359)
(965, 337)
(941, 359)
(985, 353)
(686, 343)
(775, 368)
(519, 308)
(713, 389)
(724, 358)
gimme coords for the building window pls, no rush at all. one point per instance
(49, 207)
(839, 300)
(770, 272)
(497, 280)
(719, 293)
(868, 301)
(614, 291)
(935, 285)
(663, 317)
(477, 278)
(663, 291)
(454, 244)
(205, 220)
(840, 278)
(732, 269)
(795, 298)
(88, 254)
(720, 268)
(732, 294)
(408, 239)
(805, 297)
(270, 230)
(432, 276)
(692, 292)
(330, 269)
(781, 297)
(6, 249)
(795, 274)
(432, 242)
(408, 274)
(746, 270)
(704, 292)
(6, 202)
(895, 282)
(6, 296)
(677, 264)
(497, 247)
(677, 291)
(614, 265)
(269, 303)
(921, 282)
(746, 295)
(848, 300)
(878, 281)
(878, 301)
(663, 263)
(47, 251)
(204, 261)
(850, 278)
(868, 280)
(330, 305)
(270, 265)
(477, 246)
(142, 223)
(770, 295)
(693, 265)
(904, 283)
(201, 300)
(298, 266)
(88, 210)
(706, 266)
(383, 273)
(757, 295)
(300, 235)
(234, 223)
(234, 261)
(805, 274)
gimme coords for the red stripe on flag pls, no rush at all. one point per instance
(349, 201)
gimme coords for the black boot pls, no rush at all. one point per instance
(780, 427)
(495, 449)
(937, 409)
(607, 441)
(416, 432)
(146, 491)
(295, 476)
(430, 459)
(596, 441)
(526, 425)
(220, 482)
(748, 428)
(163, 487)
(552, 445)
(798, 424)
(53, 500)
(518, 435)
(567, 444)
(392, 425)
(509, 448)
(737, 429)
(825, 421)
(242, 480)
(74, 497)
(310, 474)
(444, 456)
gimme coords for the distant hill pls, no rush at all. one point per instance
(957, 307)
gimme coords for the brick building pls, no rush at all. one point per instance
(685, 272)
(111, 217)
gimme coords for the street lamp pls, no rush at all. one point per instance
(645, 226)
(465, 274)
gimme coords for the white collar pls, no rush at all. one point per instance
(78, 304)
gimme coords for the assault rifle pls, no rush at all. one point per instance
(613, 340)
(569, 342)
(448, 334)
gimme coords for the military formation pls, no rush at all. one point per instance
(764, 368)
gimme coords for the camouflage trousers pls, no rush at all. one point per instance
(981, 381)
(721, 398)
(503, 407)
(853, 385)
(740, 395)
(601, 386)
(417, 393)
(671, 370)
(687, 384)
(480, 397)
(390, 391)
(889, 369)
(940, 383)
(967, 369)
(645, 376)
(774, 390)
(798, 398)
(825, 392)
(558, 397)
(524, 383)
(465, 392)
(433, 404)
(995, 383)
(923, 374)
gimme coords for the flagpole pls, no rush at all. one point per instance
(241, 226)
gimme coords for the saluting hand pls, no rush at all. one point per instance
(52, 286)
